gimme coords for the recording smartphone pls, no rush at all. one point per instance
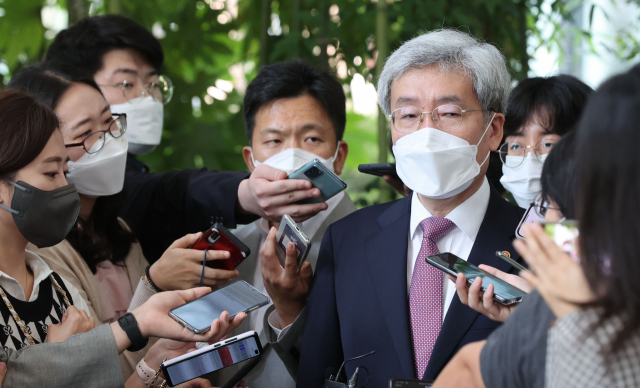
(564, 234)
(212, 358)
(379, 169)
(504, 293)
(410, 383)
(322, 178)
(221, 239)
(530, 217)
(235, 298)
(288, 231)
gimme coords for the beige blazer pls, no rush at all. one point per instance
(68, 263)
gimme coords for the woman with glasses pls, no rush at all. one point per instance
(101, 256)
(540, 112)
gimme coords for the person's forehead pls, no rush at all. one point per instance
(80, 101)
(433, 82)
(125, 60)
(292, 112)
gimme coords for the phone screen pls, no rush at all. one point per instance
(288, 235)
(212, 361)
(234, 298)
(530, 217)
(456, 265)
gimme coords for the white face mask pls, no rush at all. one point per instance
(144, 123)
(437, 164)
(292, 159)
(523, 182)
(102, 173)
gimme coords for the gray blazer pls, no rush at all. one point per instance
(84, 360)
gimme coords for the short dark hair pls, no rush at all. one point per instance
(84, 44)
(26, 125)
(559, 178)
(608, 205)
(557, 101)
(48, 81)
(293, 79)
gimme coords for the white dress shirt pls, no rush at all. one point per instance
(467, 217)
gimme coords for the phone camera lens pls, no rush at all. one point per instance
(313, 173)
(213, 237)
(256, 351)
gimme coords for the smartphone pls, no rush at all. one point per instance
(564, 234)
(235, 298)
(530, 216)
(504, 293)
(322, 178)
(212, 358)
(221, 239)
(379, 169)
(288, 231)
(410, 383)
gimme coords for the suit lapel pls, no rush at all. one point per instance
(386, 254)
(496, 233)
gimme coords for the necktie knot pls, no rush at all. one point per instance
(435, 228)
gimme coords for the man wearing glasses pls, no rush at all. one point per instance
(445, 94)
(125, 61)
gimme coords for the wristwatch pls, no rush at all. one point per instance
(129, 324)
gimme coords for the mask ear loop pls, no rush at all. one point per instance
(485, 132)
(17, 186)
(203, 266)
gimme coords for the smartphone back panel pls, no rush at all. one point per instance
(322, 178)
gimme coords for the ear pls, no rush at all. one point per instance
(343, 150)
(246, 155)
(5, 192)
(495, 132)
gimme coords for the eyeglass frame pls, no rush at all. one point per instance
(124, 83)
(525, 152)
(537, 205)
(462, 112)
(124, 129)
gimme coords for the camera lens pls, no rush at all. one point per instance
(313, 173)
(213, 237)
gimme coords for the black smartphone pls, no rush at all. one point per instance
(379, 169)
(322, 178)
(504, 293)
(410, 383)
(212, 358)
(235, 298)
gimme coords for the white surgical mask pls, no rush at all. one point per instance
(523, 182)
(292, 159)
(144, 123)
(437, 164)
(102, 173)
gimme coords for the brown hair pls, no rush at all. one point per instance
(26, 125)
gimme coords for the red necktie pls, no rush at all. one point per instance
(425, 293)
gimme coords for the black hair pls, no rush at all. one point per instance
(608, 205)
(559, 178)
(293, 79)
(48, 82)
(557, 102)
(84, 44)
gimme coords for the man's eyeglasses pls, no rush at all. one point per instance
(134, 89)
(95, 141)
(446, 117)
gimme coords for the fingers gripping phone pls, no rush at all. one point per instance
(288, 231)
(565, 235)
(322, 178)
(235, 298)
(220, 239)
(504, 293)
(379, 169)
(212, 358)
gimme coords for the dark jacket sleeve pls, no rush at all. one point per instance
(321, 344)
(162, 207)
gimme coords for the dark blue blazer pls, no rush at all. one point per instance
(359, 303)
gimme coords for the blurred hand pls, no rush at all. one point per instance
(154, 320)
(73, 322)
(288, 287)
(3, 372)
(558, 278)
(180, 268)
(397, 184)
(269, 194)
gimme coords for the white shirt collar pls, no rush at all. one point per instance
(467, 216)
(40, 270)
(310, 226)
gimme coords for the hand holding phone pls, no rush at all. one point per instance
(322, 178)
(289, 231)
(220, 239)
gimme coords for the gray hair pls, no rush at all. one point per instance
(483, 63)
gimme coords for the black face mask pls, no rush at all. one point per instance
(44, 218)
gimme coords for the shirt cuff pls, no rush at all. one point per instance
(275, 323)
(142, 294)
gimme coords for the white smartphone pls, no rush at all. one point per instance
(235, 298)
(212, 358)
(530, 217)
(288, 231)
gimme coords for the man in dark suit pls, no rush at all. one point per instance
(445, 93)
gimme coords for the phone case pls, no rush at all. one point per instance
(378, 169)
(530, 216)
(299, 234)
(220, 238)
(325, 180)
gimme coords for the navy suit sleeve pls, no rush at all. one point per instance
(162, 207)
(322, 345)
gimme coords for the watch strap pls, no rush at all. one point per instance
(129, 325)
(147, 374)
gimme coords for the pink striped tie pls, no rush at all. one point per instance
(425, 293)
